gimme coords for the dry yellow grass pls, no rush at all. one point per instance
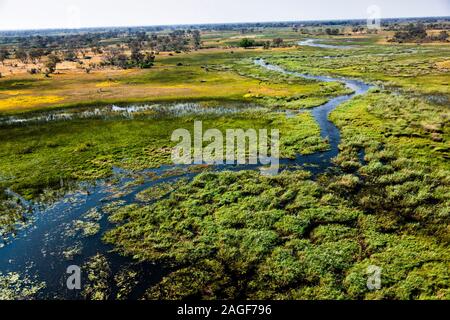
(12, 67)
(443, 64)
(14, 92)
(166, 81)
(27, 102)
(106, 84)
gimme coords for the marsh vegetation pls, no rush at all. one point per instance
(86, 175)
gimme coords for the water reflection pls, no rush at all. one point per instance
(130, 112)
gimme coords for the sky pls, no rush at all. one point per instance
(41, 14)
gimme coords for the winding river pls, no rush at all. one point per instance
(317, 43)
(319, 162)
(37, 251)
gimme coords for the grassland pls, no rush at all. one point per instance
(414, 69)
(38, 159)
(219, 75)
(291, 238)
(88, 149)
(251, 237)
(288, 237)
(244, 235)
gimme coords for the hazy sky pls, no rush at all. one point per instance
(34, 14)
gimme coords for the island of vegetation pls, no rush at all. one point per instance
(86, 176)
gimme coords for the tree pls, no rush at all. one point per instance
(97, 50)
(332, 32)
(121, 61)
(50, 65)
(70, 55)
(116, 57)
(36, 54)
(246, 43)
(138, 58)
(413, 32)
(136, 53)
(197, 39)
(417, 31)
(22, 55)
(4, 54)
(148, 61)
(443, 36)
(277, 42)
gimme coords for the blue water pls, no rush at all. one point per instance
(37, 250)
(316, 43)
(323, 160)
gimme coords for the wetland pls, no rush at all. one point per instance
(86, 176)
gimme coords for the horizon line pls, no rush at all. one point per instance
(211, 24)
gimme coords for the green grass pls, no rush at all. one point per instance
(416, 129)
(412, 68)
(202, 76)
(244, 235)
(241, 235)
(36, 159)
(38, 156)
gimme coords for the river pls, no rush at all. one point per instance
(37, 251)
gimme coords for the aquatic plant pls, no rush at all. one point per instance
(13, 286)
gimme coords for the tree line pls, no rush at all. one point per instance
(418, 33)
(132, 50)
